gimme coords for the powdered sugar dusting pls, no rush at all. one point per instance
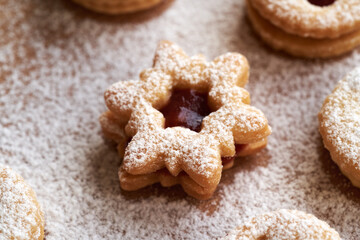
(284, 225)
(341, 118)
(352, 82)
(19, 216)
(174, 146)
(56, 62)
(300, 17)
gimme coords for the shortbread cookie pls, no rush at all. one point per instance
(117, 6)
(292, 27)
(131, 182)
(284, 225)
(183, 116)
(340, 125)
(311, 18)
(20, 213)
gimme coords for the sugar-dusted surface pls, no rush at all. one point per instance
(341, 118)
(57, 59)
(20, 216)
(284, 224)
(300, 17)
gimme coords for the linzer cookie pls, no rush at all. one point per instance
(340, 125)
(117, 6)
(20, 213)
(307, 28)
(184, 121)
(284, 225)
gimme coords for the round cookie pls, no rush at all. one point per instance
(20, 213)
(300, 46)
(305, 18)
(339, 120)
(117, 6)
(284, 225)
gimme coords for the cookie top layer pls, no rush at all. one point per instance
(20, 214)
(284, 225)
(154, 147)
(340, 121)
(302, 18)
(301, 46)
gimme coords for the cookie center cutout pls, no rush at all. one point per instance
(321, 3)
(186, 108)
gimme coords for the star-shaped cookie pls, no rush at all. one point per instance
(151, 149)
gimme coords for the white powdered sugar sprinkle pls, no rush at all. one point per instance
(342, 117)
(18, 219)
(284, 225)
(302, 14)
(353, 82)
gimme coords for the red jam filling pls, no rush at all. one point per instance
(187, 108)
(321, 3)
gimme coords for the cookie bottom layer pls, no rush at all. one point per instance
(301, 46)
(129, 182)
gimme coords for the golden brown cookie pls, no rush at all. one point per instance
(284, 225)
(20, 213)
(311, 18)
(339, 120)
(184, 118)
(117, 6)
(294, 27)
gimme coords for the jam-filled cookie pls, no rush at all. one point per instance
(117, 6)
(184, 121)
(339, 120)
(20, 213)
(284, 224)
(307, 28)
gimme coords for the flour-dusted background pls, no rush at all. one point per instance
(56, 60)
